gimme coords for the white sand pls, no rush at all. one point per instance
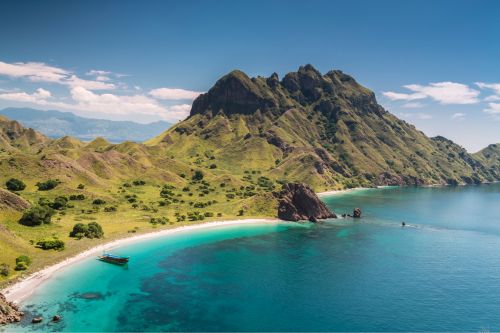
(24, 288)
(333, 192)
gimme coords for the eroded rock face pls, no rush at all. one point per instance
(299, 202)
(9, 200)
(9, 312)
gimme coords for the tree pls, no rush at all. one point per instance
(37, 215)
(22, 263)
(4, 269)
(79, 230)
(198, 175)
(81, 186)
(98, 202)
(47, 185)
(91, 230)
(48, 244)
(59, 203)
(14, 184)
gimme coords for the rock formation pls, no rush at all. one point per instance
(299, 202)
(9, 312)
(9, 200)
(356, 213)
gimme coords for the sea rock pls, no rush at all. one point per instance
(299, 202)
(37, 320)
(56, 318)
(9, 312)
(356, 213)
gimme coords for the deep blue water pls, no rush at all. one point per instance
(440, 273)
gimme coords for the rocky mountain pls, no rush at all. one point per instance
(56, 124)
(325, 130)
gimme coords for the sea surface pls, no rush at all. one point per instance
(441, 272)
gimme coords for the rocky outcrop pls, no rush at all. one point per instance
(9, 312)
(299, 202)
(9, 200)
(356, 213)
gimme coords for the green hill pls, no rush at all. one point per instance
(243, 139)
(326, 130)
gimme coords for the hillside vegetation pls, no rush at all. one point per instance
(243, 139)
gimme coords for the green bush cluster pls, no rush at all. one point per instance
(75, 197)
(90, 230)
(47, 185)
(22, 263)
(37, 215)
(14, 185)
(139, 182)
(98, 202)
(4, 269)
(51, 244)
(159, 220)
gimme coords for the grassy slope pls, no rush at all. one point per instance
(329, 133)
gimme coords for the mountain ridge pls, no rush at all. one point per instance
(56, 124)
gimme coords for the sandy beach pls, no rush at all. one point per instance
(334, 192)
(22, 289)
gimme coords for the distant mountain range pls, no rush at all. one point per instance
(56, 124)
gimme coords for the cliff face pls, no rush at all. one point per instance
(9, 312)
(299, 202)
(325, 130)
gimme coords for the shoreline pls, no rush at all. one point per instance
(22, 289)
(335, 192)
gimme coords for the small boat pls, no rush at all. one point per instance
(113, 259)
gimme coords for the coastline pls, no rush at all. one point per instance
(22, 289)
(335, 192)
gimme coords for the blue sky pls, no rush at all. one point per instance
(433, 63)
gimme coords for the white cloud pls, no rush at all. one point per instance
(492, 86)
(174, 94)
(458, 116)
(442, 92)
(493, 108)
(421, 116)
(84, 100)
(40, 72)
(413, 105)
(40, 96)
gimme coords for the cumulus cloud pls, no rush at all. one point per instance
(40, 72)
(40, 96)
(85, 100)
(174, 94)
(442, 92)
(458, 116)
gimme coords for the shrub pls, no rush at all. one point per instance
(91, 230)
(110, 209)
(98, 202)
(77, 197)
(51, 244)
(22, 263)
(59, 203)
(4, 269)
(213, 166)
(48, 185)
(139, 182)
(159, 220)
(37, 215)
(95, 230)
(80, 186)
(198, 175)
(14, 184)
(22, 266)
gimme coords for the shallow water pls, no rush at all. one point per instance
(440, 273)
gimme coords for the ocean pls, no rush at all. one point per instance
(441, 272)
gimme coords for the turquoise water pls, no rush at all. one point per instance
(440, 273)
